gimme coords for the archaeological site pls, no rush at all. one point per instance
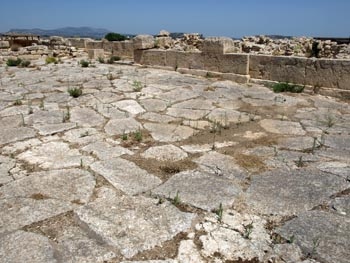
(174, 150)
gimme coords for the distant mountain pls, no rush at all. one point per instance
(96, 33)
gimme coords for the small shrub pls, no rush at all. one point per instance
(112, 59)
(75, 92)
(220, 212)
(15, 47)
(176, 200)
(286, 87)
(50, 60)
(138, 136)
(13, 62)
(17, 103)
(25, 63)
(115, 37)
(137, 86)
(84, 63)
(101, 60)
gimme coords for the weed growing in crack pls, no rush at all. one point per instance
(300, 162)
(138, 135)
(42, 105)
(23, 122)
(219, 212)
(176, 200)
(137, 86)
(315, 245)
(84, 64)
(75, 92)
(287, 87)
(248, 229)
(81, 163)
(124, 136)
(291, 239)
(18, 102)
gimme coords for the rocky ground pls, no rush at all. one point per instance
(150, 165)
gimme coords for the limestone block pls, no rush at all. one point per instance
(143, 42)
(4, 44)
(219, 45)
(96, 53)
(94, 45)
(154, 57)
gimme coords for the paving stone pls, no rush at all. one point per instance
(153, 105)
(178, 95)
(125, 175)
(110, 111)
(50, 129)
(169, 132)
(15, 134)
(54, 155)
(299, 143)
(187, 113)
(11, 121)
(324, 234)
(86, 117)
(6, 164)
(197, 124)
(83, 136)
(221, 165)
(165, 153)
(282, 127)
(40, 196)
(285, 193)
(45, 117)
(130, 106)
(75, 245)
(338, 168)
(238, 237)
(132, 224)
(211, 190)
(103, 150)
(155, 117)
(122, 126)
(338, 141)
(20, 246)
(227, 116)
(200, 148)
(14, 110)
(20, 146)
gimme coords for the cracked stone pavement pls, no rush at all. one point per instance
(187, 169)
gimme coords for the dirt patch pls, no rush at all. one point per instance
(51, 227)
(163, 169)
(251, 163)
(39, 196)
(166, 250)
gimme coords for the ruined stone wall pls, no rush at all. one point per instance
(118, 48)
(327, 76)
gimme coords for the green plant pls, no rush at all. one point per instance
(138, 135)
(315, 245)
(112, 59)
(17, 102)
(219, 212)
(13, 62)
(300, 162)
(176, 200)
(42, 105)
(84, 64)
(286, 87)
(115, 37)
(124, 136)
(137, 86)
(75, 92)
(101, 60)
(291, 239)
(248, 229)
(50, 60)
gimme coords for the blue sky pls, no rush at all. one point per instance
(231, 18)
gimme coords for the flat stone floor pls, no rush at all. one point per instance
(149, 165)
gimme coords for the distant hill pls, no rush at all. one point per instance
(96, 33)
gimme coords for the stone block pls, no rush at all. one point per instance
(94, 45)
(154, 57)
(143, 42)
(96, 53)
(219, 45)
(79, 42)
(4, 44)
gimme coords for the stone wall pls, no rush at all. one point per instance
(327, 76)
(123, 49)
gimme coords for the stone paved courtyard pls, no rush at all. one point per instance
(149, 165)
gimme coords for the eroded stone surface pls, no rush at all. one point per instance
(132, 224)
(165, 153)
(125, 175)
(211, 189)
(282, 127)
(169, 132)
(22, 246)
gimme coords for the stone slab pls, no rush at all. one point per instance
(165, 153)
(125, 175)
(211, 190)
(15, 134)
(122, 126)
(290, 192)
(169, 132)
(132, 224)
(282, 127)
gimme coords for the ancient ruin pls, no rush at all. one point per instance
(178, 152)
